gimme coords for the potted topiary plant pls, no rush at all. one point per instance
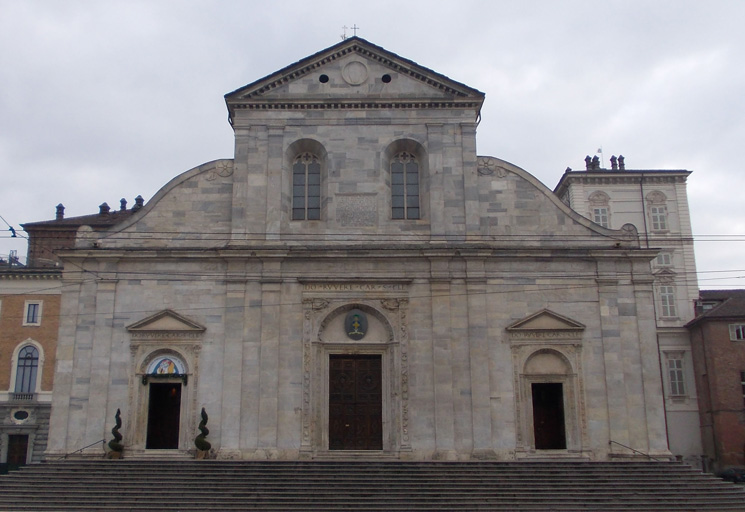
(115, 445)
(203, 446)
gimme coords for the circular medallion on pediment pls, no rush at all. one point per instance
(355, 73)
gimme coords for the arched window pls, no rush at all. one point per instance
(27, 369)
(306, 187)
(404, 186)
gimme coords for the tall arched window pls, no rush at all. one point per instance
(26, 370)
(404, 186)
(306, 187)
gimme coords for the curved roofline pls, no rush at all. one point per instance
(619, 235)
(164, 190)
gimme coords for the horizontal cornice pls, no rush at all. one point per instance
(26, 275)
(357, 105)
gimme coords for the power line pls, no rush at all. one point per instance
(520, 289)
(356, 236)
(519, 286)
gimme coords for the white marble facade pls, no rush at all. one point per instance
(503, 324)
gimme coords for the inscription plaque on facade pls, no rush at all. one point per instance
(357, 210)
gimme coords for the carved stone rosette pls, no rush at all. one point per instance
(223, 169)
(487, 166)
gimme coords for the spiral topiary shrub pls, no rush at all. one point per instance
(115, 444)
(200, 441)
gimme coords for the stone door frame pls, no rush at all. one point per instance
(143, 355)
(321, 308)
(575, 424)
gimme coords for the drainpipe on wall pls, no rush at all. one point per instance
(644, 214)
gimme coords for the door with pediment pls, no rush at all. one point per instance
(549, 428)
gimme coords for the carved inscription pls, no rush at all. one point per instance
(353, 287)
(544, 335)
(165, 335)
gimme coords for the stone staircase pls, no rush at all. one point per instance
(190, 485)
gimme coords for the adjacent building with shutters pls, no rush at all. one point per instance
(655, 201)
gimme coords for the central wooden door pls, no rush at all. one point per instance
(355, 402)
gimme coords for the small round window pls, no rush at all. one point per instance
(323, 79)
(386, 78)
(20, 415)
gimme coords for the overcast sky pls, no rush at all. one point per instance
(102, 100)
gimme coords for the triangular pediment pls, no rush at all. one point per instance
(546, 320)
(166, 320)
(354, 70)
(665, 275)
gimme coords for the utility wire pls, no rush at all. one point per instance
(516, 287)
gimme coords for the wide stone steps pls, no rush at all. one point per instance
(188, 485)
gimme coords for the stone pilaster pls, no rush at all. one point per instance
(481, 388)
(470, 181)
(289, 391)
(442, 369)
(269, 357)
(241, 202)
(98, 409)
(274, 188)
(614, 354)
(436, 192)
(461, 367)
(232, 364)
(650, 367)
(64, 366)
(251, 373)
(81, 367)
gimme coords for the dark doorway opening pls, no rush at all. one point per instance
(548, 416)
(17, 450)
(355, 402)
(163, 416)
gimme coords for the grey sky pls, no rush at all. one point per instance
(102, 100)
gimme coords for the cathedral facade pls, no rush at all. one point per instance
(357, 281)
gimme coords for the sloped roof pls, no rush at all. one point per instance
(732, 306)
(96, 220)
(721, 294)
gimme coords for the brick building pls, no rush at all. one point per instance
(718, 342)
(46, 238)
(29, 322)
